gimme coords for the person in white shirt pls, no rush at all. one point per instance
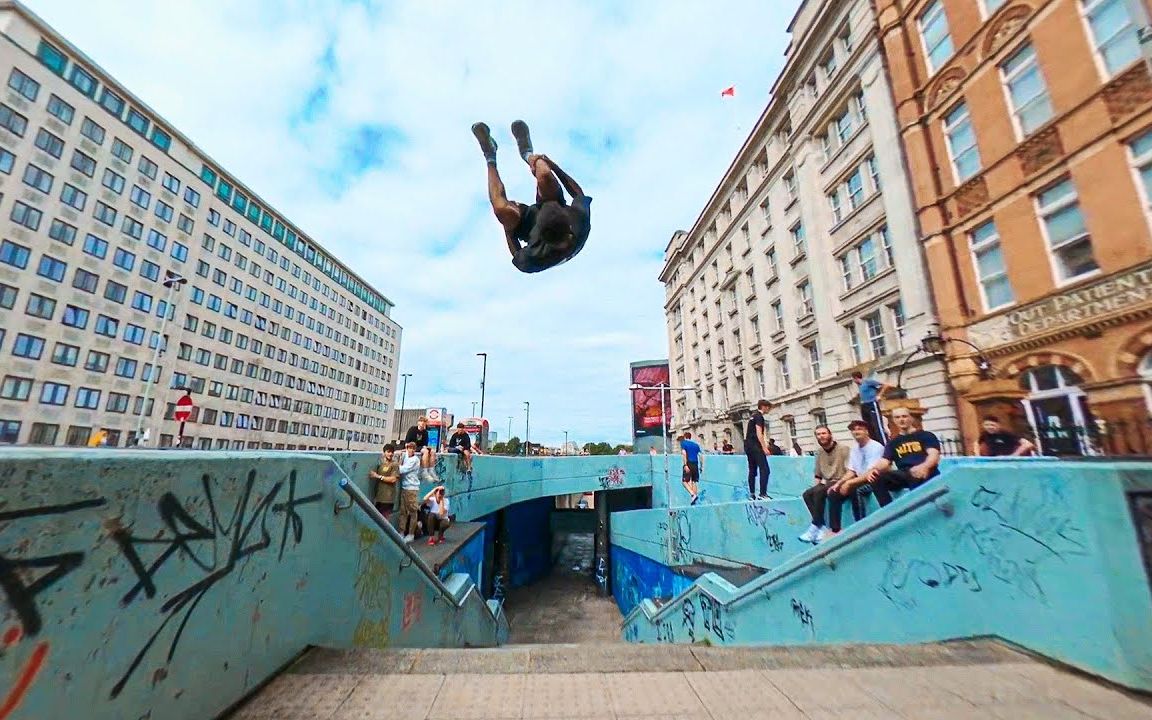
(863, 454)
(438, 515)
(409, 491)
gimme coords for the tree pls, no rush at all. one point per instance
(598, 448)
(513, 446)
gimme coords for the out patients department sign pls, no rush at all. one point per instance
(1122, 292)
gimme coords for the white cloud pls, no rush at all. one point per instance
(624, 96)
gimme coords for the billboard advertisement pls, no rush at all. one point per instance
(647, 420)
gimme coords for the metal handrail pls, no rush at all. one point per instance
(366, 505)
(747, 590)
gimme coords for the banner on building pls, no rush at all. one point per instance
(650, 418)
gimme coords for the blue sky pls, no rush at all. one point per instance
(352, 118)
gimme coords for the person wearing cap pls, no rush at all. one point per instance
(438, 517)
(460, 445)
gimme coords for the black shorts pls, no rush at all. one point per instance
(692, 474)
(528, 216)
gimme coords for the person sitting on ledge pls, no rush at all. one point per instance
(438, 517)
(460, 445)
(995, 441)
(914, 453)
(864, 453)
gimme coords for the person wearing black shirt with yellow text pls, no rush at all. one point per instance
(997, 442)
(910, 459)
(756, 448)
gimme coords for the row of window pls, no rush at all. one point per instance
(80, 435)
(84, 163)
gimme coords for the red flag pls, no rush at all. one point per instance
(728, 92)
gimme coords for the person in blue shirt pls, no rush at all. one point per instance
(549, 232)
(691, 451)
(871, 393)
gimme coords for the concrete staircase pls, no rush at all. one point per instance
(980, 679)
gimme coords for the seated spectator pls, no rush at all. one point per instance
(418, 434)
(727, 448)
(831, 465)
(460, 445)
(862, 456)
(910, 459)
(387, 476)
(773, 448)
(438, 518)
(995, 441)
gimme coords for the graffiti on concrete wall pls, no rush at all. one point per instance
(413, 610)
(205, 537)
(677, 532)
(612, 479)
(1019, 530)
(803, 614)
(903, 578)
(764, 517)
(22, 581)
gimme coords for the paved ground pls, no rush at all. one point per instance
(933, 682)
(564, 607)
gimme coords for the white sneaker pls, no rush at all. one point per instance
(825, 535)
(409, 538)
(810, 534)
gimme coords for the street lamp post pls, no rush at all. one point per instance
(663, 388)
(403, 396)
(527, 416)
(565, 442)
(483, 380)
(172, 281)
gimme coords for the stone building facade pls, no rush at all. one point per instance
(804, 265)
(1027, 126)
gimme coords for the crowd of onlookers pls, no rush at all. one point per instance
(872, 462)
(415, 464)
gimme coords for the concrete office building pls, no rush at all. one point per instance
(280, 345)
(805, 265)
(1028, 129)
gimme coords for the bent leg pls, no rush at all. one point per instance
(547, 184)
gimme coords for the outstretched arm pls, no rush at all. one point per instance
(513, 243)
(566, 180)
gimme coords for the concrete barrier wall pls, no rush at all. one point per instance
(636, 578)
(148, 584)
(1046, 555)
(761, 534)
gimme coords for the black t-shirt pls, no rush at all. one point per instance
(461, 440)
(538, 254)
(1000, 443)
(751, 438)
(418, 436)
(908, 451)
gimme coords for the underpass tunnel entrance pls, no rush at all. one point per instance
(552, 566)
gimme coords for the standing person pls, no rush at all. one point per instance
(418, 434)
(727, 448)
(460, 444)
(552, 232)
(863, 455)
(831, 465)
(995, 441)
(914, 455)
(691, 451)
(756, 448)
(871, 393)
(387, 475)
(409, 492)
(438, 518)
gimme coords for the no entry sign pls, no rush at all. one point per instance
(183, 408)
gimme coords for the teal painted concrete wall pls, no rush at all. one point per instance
(761, 534)
(636, 578)
(1045, 555)
(140, 584)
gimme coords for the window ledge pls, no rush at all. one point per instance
(798, 257)
(844, 145)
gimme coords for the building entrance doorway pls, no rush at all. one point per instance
(1057, 410)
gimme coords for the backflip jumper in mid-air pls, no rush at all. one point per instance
(549, 232)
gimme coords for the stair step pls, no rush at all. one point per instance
(627, 657)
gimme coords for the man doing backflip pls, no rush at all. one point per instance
(549, 232)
